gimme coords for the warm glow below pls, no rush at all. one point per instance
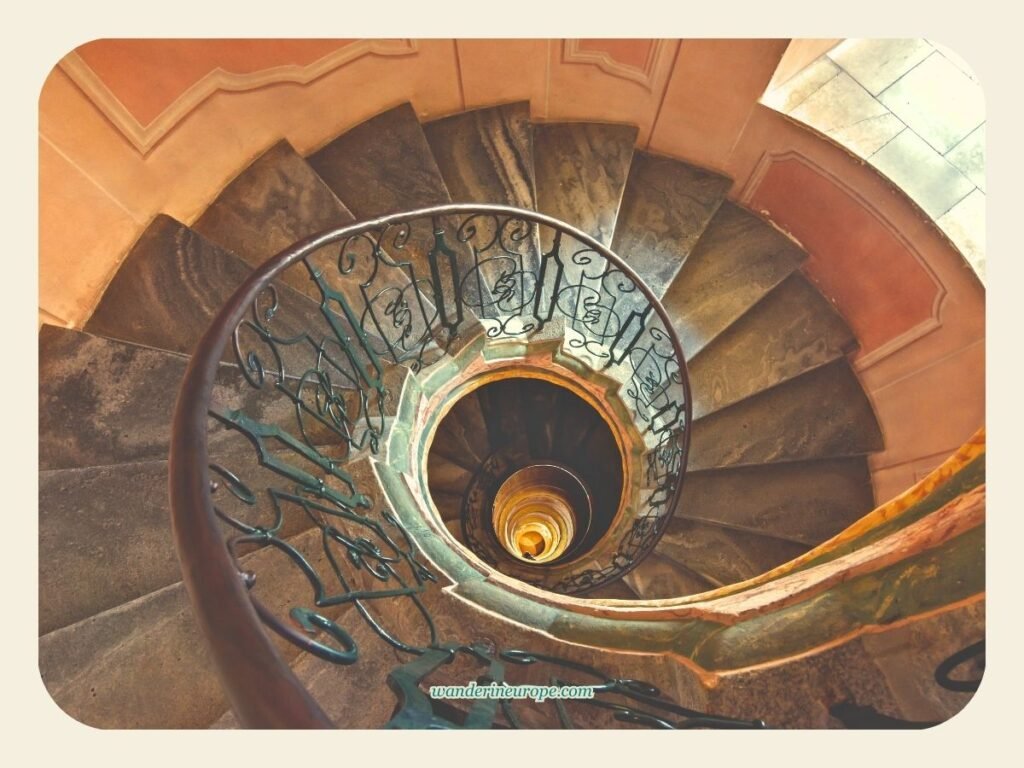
(533, 516)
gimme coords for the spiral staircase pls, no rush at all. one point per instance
(775, 457)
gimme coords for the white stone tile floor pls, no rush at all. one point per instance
(915, 111)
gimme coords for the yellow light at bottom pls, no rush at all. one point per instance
(533, 516)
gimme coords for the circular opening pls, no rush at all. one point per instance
(540, 512)
(475, 463)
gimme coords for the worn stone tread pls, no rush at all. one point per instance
(665, 208)
(721, 555)
(150, 654)
(738, 259)
(661, 577)
(806, 502)
(486, 155)
(276, 201)
(103, 401)
(383, 165)
(788, 332)
(822, 414)
(173, 283)
(581, 171)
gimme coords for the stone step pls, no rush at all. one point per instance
(105, 536)
(806, 502)
(823, 413)
(86, 519)
(486, 156)
(501, 405)
(788, 332)
(721, 555)
(277, 200)
(575, 423)
(738, 260)
(145, 663)
(449, 505)
(103, 401)
(446, 476)
(660, 577)
(665, 208)
(540, 412)
(173, 283)
(383, 165)
(581, 171)
(461, 436)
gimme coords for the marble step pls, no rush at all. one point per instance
(823, 413)
(665, 208)
(383, 165)
(462, 435)
(173, 283)
(145, 663)
(105, 536)
(788, 332)
(540, 411)
(444, 476)
(661, 577)
(576, 423)
(449, 506)
(501, 405)
(486, 156)
(721, 555)
(581, 171)
(738, 260)
(104, 539)
(806, 502)
(277, 200)
(104, 402)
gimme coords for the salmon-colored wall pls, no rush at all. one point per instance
(129, 129)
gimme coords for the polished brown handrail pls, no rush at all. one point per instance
(261, 687)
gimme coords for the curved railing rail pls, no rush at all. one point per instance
(314, 332)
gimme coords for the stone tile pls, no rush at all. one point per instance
(798, 88)
(840, 103)
(938, 101)
(965, 225)
(969, 157)
(914, 166)
(877, 64)
(869, 135)
(956, 58)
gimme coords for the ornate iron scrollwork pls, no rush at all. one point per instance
(459, 264)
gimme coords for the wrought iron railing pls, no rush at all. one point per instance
(314, 333)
